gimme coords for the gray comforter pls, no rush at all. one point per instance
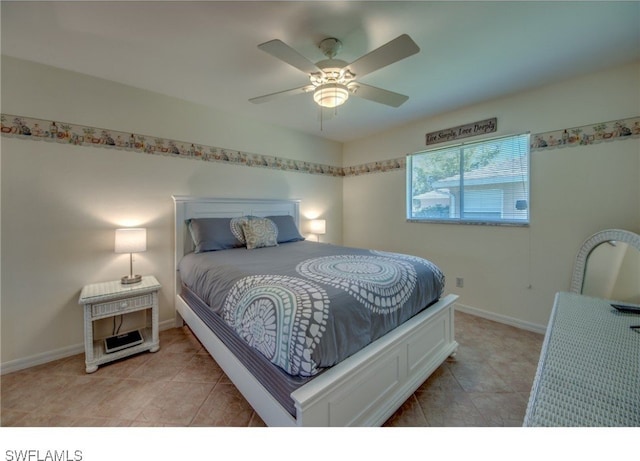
(307, 305)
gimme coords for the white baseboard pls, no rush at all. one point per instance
(40, 359)
(501, 319)
(50, 356)
(62, 353)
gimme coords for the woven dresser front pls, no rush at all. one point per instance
(589, 368)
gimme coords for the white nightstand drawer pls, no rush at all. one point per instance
(113, 307)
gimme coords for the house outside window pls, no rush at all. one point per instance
(482, 182)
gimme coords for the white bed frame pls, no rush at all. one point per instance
(363, 390)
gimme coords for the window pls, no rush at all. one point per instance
(483, 182)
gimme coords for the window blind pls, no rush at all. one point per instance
(485, 181)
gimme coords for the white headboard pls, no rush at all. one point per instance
(187, 207)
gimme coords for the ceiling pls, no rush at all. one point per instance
(206, 51)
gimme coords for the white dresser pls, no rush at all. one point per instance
(589, 368)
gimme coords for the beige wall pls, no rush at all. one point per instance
(512, 273)
(61, 203)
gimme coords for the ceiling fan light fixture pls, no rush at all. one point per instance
(333, 80)
(331, 94)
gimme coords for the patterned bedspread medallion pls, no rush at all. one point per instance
(283, 317)
(416, 259)
(381, 283)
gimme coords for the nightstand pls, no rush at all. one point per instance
(111, 299)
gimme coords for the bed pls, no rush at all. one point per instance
(317, 376)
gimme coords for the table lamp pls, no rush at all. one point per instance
(318, 227)
(131, 240)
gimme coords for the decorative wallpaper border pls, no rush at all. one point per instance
(80, 135)
(586, 135)
(569, 137)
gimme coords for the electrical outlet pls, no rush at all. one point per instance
(459, 282)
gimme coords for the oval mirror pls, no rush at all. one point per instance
(608, 266)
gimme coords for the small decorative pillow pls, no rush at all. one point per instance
(260, 233)
(236, 228)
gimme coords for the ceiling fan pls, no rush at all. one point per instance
(332, 80)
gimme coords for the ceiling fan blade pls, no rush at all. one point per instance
(375, 94)
(272, 96)
(284, 52)
(395, 50)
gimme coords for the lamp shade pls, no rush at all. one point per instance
(331, 94)
(318, 226)
(131, 240)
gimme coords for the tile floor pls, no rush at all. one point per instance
(486, 384)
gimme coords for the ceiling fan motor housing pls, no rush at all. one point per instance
(330, 47)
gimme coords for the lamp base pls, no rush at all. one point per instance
(129, 279)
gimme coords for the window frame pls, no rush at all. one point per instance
(464, 220)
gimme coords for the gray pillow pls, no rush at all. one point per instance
(212, 234)
(287, 229)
